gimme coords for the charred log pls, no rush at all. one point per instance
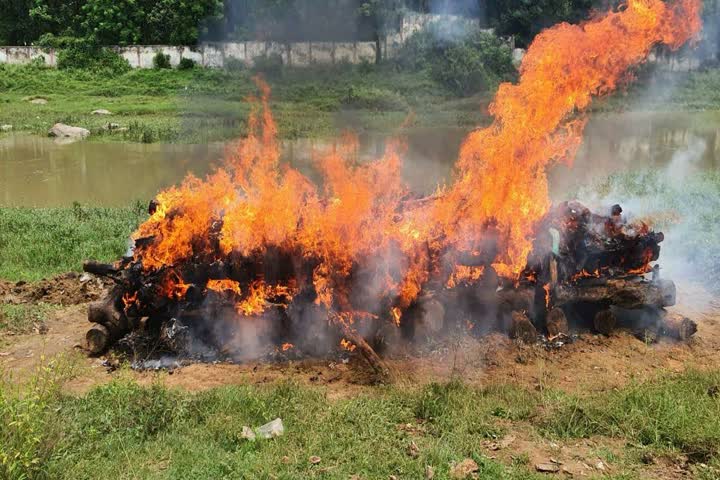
(629, 293)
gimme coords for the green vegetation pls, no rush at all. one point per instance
(40, 242)
(200, 105)
(123, 430)
(23, 318)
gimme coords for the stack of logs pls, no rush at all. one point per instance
(582, 266)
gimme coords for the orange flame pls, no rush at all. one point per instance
(359, 217)
(347, 345)
(501, 172)
(226, 285)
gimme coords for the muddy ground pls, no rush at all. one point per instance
(592, 363)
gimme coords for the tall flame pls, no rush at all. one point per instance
(501, 172)
(255, 206)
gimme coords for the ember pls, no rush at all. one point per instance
(256, 257)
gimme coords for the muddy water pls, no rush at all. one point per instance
(36, 171)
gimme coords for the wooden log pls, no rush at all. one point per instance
(521, 328)
(557, 323)
(625, 293)
(676, 326)
(604, 321)
(100, 269)
(365, 349)
(98, 339)
(107, 314)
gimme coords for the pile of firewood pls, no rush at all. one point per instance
(583, 266)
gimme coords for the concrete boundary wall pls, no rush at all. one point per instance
(219, 54)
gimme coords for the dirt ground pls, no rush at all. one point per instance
(592, 363)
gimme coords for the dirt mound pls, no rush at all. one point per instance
(66, 289)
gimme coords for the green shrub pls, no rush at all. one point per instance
(186, 64)
(374, 99)
(161, 60)
(28, 430)
(84, 54)
(466, 63)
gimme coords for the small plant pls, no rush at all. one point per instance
(161, 61)
(186, 64)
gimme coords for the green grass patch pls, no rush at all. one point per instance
(123, 430)
(202, 105)
(676, 412)
(23, 318)
(39, 242)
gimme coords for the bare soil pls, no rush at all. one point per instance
(592, 363)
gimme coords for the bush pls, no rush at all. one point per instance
(85, 54)
(186, 64)
(161, 60)
(465, 62)
(374, 99)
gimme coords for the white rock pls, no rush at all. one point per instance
(271, 429)
(6, 128)
(61, 130)
(101, 111)
(39, 101)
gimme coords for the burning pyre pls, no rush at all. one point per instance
(257, 257)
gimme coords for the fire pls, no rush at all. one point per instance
(346, 345)
(501, 172)
(129, 300)
(225, 285)
(287, 346)
(360, 237)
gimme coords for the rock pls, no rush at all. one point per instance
(413, 450)
(464, 469)
(547, 467)
(39, 101)
(600, 465)
(314, 459)
(429, 472)
(271, 429)
(112, 126)
(6, 128)
(61, 130)
(101, 111)
(247, 433)
(85, 277)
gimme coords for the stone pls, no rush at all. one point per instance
(6, 128)
(547, 467)
(429, 472)
(39, 101)
(314, 459)
(60, 130)
(101, 111)
(271, 429)
(112, 126)
(464, 469)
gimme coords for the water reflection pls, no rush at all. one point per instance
(36, 171)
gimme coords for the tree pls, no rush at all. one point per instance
(383, 17)
(16, 26)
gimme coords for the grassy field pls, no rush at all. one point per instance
(37, 243)
(202, 105)
(123, 430)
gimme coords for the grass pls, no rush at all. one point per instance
(39, 242)
(202, 105)
(123, 430)
(23, 318)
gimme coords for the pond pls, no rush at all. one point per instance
(36, 171)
